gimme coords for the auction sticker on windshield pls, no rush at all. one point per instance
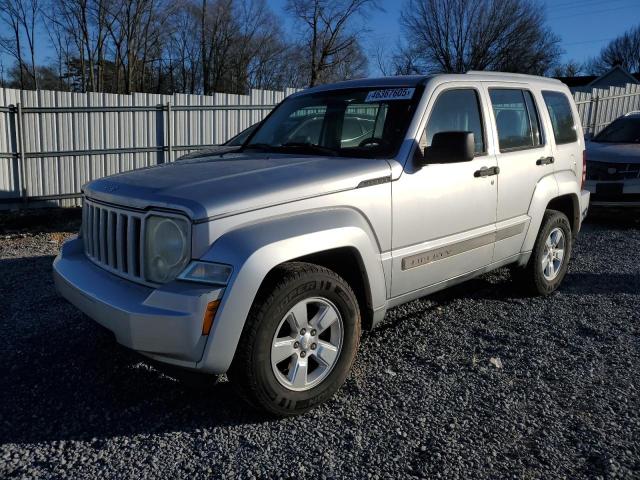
(389, 94)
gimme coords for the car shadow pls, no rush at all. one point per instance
(65, 377)
(600, 217)
(499, 286)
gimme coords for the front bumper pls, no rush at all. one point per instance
(616, 194)
(164, 323)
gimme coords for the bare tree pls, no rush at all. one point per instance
(568, 69)
(83, 24)
(461, 35)
(183, 50)
(216, 39)
(328, 34)
(21, 17)
(622, 51)
(61, 44)
(11, 43)
(165, 46)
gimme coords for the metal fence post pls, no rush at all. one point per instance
(22, 171)
(594, 111)
(169, 146)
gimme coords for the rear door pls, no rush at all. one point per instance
(566, 131)
(524, 156)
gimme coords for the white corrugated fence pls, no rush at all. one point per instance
(599, 107)
(52, 143)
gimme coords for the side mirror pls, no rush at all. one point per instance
(450, 147)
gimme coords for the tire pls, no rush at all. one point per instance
(535, 278)
(288, 292)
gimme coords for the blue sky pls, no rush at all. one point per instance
(584, 26)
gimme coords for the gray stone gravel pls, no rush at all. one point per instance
(425, 399)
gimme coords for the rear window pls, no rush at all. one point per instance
(564, 128)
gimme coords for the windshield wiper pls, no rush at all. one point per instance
(259, 146)
(311, 147)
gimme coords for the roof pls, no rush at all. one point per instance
(415, 80)
(397, 81)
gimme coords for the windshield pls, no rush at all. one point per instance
(240, 138)
(368, 122)
(623, 130)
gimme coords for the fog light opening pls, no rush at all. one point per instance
(209, 315)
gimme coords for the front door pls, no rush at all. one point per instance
(444, 214)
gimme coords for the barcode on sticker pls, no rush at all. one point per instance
(389, 94)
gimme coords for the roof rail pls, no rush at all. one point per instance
(508, 74)
(632, 112)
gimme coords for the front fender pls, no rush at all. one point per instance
(254, 249)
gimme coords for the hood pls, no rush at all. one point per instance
(613, 152)
(215, 186)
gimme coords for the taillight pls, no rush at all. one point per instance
(584, 168)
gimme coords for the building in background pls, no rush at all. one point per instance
(616, 77)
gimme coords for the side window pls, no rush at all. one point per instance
(564, 128)
(358, 123)
(454, 111)
(516, 118)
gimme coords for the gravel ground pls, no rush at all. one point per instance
(425, 399)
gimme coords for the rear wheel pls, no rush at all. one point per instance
(549, 260)
(299, 341)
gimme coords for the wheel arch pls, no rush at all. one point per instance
(347, 262)
(558, 191)
(325, 237)
(570, 206)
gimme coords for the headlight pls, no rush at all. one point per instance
(167, 248)
(205, 272)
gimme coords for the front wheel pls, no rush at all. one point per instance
(549, 260)
(299, 341)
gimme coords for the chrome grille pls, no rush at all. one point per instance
(612, 171)
(113, 239)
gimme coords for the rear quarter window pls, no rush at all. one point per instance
(562, 121)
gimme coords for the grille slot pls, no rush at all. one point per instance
(113, 239)
(607, 171)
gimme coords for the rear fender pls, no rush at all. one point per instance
(550, 187)
(546, 190)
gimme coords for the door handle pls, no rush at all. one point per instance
(545, 161)
(486, 172)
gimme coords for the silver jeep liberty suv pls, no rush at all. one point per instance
(267, 260)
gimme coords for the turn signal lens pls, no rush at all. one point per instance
(209, 314)
(205, 272)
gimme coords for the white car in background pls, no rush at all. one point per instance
(613, 164)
